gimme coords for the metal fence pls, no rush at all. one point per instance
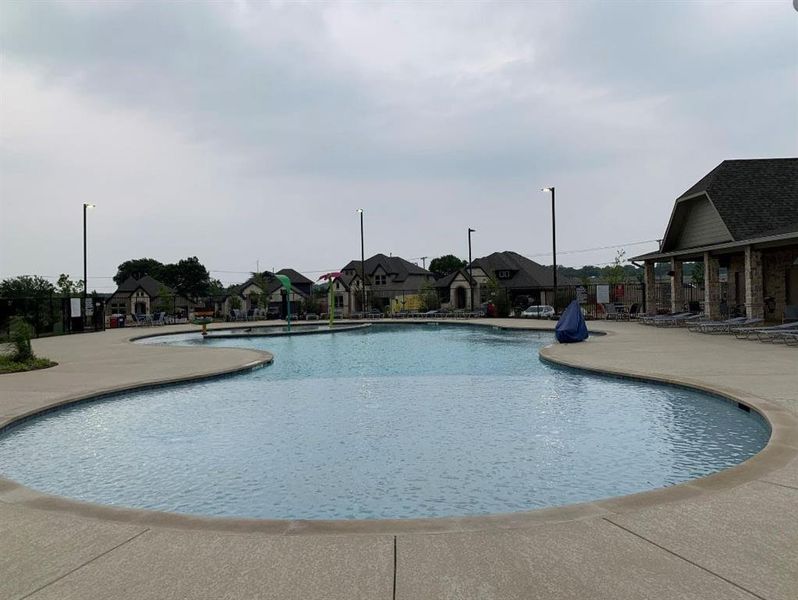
(52, 314)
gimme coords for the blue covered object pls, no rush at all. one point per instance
(571, 327)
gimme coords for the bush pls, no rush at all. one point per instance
(21, 333)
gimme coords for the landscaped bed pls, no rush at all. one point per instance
(9, 365)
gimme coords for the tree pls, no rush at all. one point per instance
(615, 274)
(697, 273)
(67, 287)
(444, 265)
(138, 268)
(215, 288)
(498, 296)
(26, 286)
(429, 297)
(165, 299)
(191, 278)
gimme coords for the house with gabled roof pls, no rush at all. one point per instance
(146, 295)
(389, 280)
(267, 290)
(741, 221)
(516, 275)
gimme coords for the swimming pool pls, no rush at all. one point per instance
(386, 422)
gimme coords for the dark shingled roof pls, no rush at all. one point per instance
(393, 265)
(526, 273)
(149, 284)
(753, 197)
(446, 280)
(294, 276)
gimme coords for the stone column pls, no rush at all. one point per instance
(711, 287)
(651, 290)
(754, 291)
(677, 288)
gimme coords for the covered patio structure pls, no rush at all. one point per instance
(741, 222)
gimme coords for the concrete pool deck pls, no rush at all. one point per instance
(731, 535)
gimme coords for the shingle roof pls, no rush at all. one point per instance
(526, 273)
(272, 283)
(149, 284)
(446, 280)
(294, 276)
(753, 197)
(392, 265)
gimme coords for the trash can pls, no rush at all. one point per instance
(113, 322)
(120, 321)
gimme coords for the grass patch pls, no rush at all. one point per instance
(9, 365)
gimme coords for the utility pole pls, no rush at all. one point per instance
(470, 272)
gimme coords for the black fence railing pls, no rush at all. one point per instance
(52, 314)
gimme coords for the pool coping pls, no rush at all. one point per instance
(778, 452)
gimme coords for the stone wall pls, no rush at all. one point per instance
(776, 266)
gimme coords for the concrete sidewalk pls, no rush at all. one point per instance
(732, 535)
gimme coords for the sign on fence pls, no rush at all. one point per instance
(74, 307)
(602, 294)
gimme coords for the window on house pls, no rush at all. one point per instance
(380, 280)
(339, 301)
(503, 274)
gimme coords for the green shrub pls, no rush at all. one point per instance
(21, 333)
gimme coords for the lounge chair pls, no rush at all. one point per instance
(652, 319)
(159, 319)
(765, 334)
(789, 339)
(727, 326)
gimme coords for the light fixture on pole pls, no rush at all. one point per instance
(553, 244)
(86, 206)
(362, 263)
(470, 271)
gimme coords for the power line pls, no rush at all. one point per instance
(331, 269)
(582, 250)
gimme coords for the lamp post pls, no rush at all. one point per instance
(553, 244)
(86, 206)
(362, 262)
(470, 270)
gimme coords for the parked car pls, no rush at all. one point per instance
(544, 311)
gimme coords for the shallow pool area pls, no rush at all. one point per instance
(386, 422)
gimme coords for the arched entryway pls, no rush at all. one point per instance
(460, 298)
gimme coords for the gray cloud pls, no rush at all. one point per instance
(433, 116)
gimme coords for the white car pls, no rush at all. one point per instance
(543, 311)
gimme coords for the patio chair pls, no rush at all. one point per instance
(159, 319)
(611, 312)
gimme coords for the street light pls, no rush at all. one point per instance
(470, 270)
(362, 262)
(553, 244)
(86, 206)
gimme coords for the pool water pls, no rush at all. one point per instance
(385, 422)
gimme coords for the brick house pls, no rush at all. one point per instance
(147, 295)
(389, 280)
(741, 222)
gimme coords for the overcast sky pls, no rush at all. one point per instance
(245, 131)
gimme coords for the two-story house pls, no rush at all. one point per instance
(390, 281)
